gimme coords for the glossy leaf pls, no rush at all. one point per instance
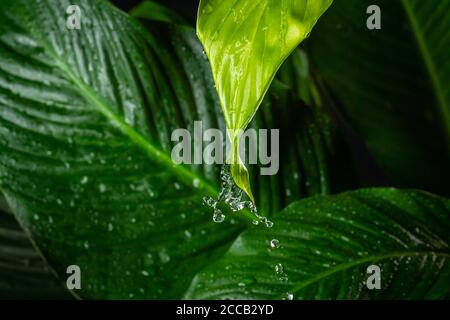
(326, 245)
(393, 84)
(246, 43)
(23, 273)
(86, 118)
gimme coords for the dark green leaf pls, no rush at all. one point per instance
(23, 273)
(393, 83)
(327, 243)
(85, 123)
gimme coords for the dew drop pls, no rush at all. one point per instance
(274, 243)
(196, 183)
(164, 256)
(279, 268)
(102, 188)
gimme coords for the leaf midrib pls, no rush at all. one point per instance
(431, 69)
(186, 176)
(367, 259)
(152, 151)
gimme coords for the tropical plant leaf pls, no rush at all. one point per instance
(155, 11)
(23, 273)
(86, 118)
(393, 84)
(246, 43)
(327, 243)
(295, 73)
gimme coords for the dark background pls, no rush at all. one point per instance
(368, 172)
(187, 8)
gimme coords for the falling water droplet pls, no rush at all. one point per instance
(218, 217)
(210, 202)
(232, 195)
(279, 269)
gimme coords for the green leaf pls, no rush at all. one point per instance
(393, 84)
(313, 156)
(23, 273)
(86, 118)
(246, 43)
(327, 243)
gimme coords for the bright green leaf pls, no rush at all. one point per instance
(246, 42)
(326, 244)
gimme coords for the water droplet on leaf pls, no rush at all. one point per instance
(274, 243)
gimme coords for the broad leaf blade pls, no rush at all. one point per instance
(86, 120)
(393, 83)
(327, 244)
(85, 125)
(246, 43)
